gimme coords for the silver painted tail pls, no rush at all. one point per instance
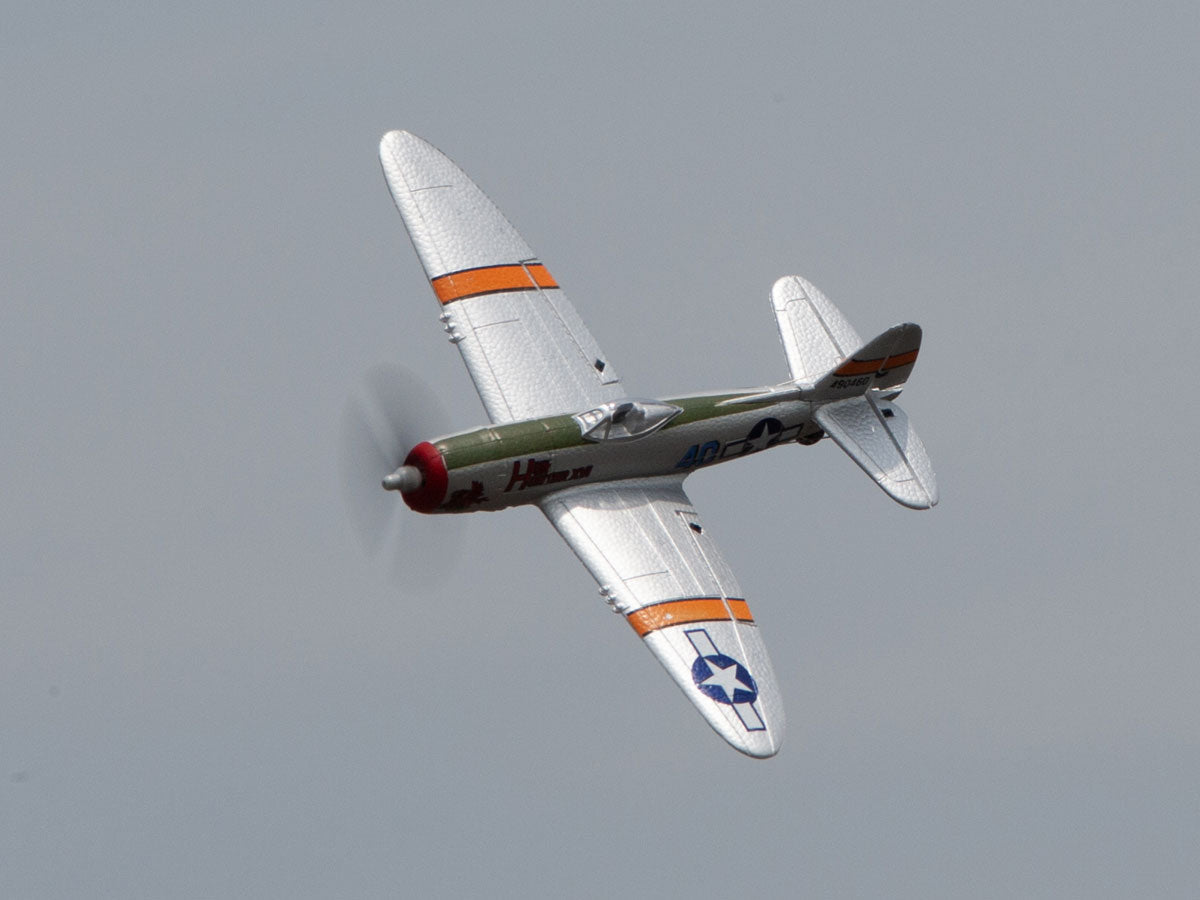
(853, 385)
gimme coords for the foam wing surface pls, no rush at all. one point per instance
(525, 346)
(644, 543)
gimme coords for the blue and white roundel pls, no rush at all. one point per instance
(724, 679)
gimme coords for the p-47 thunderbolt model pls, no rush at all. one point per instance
(607, 469)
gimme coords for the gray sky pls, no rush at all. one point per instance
(207, 691)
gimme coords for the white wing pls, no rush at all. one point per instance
(644, 543)
(524, 344)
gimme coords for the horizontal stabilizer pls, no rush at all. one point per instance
(815, 334)
(878, 436)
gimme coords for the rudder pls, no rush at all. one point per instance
(880, 364)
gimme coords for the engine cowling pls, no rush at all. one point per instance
(427, 460)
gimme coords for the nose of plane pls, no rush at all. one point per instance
(404, 479)
(422, 480)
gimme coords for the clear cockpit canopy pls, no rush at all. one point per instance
(625, 420)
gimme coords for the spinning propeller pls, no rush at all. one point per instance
(397, 411)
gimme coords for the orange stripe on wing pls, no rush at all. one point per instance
(865, 366)
(491, 280)
(685, 612)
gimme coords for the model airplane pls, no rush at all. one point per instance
(608, 469)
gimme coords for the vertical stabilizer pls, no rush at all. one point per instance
(883, 363)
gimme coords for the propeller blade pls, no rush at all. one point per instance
(397, 411)
(411, 411)
(365, 458)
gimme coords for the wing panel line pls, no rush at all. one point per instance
(727, 600)
(812, 305)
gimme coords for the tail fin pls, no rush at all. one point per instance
(858, 414)
(880, 364)
(820, 341)
(852, 389)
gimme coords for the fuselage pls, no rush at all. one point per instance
(498, 466)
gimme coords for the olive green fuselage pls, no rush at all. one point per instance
(498, 466)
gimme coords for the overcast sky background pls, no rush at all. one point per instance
(206, 689)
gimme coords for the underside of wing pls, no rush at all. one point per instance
(644, 543)
(525, 346)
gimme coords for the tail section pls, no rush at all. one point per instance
(880, 364)
(852, 384)
(816, 336)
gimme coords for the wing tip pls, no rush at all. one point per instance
(722, 667)
(759, 752)
(398, 144)
(924, 496)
